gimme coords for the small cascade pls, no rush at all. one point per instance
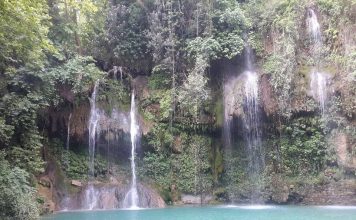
(93, 122)
(65, 201)
(252, 125)
(68, 132)
(120, 70)
(314, 31)
(131, 199)
(116, 70)
(66, 158)
(318, 85)
(318, 80)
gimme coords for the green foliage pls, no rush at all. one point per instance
(192, 168)
(165, 104)
(189, 170)
(157, 167)
(230, 22)
(78, 73)
(303, 147)
(159, 79)
(6, 132)
(234, 176)
(75, 26)
(280, 22)
(114, 93)
(23, 33)
(75, 164)
(332, 8)
(126, 40)
(194, 92)
(24, 147)
(160, 137)
(207, 47)
(17, 196)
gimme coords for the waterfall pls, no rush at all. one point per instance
(91, 199)
(66, 159)
(93, 122)
(131, 199)
(314, 28)
(120, 70)
(68, 131)
(318, 80)
(66, 198)
(253, 136)
(117, 69)
(255, 153)
(318, 85)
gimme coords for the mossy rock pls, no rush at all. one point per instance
(219, 112)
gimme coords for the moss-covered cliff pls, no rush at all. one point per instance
(187, 63)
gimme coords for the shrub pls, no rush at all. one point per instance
(17, 197)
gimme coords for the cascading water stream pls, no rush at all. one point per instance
(68, 132)
(314, 33)
(318, 85)
(91, 199)
(66, 158)
(318, 80)
(66, 199)
(252, 123)
(131, 199)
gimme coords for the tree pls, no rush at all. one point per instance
(17, 196)
(23, 38)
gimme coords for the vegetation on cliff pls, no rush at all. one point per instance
(53, 51)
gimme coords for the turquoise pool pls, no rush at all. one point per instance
(216, 213)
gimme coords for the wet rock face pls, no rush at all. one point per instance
(111, 196)
(196, 199)
(340, 193)
(268, 97)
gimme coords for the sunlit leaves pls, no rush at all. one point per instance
(23, 33)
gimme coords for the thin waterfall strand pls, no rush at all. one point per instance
(318, 80)
(68, 132)
(318, 85)
(255, 152)
(93, 122)
(131, 199)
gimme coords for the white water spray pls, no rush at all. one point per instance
(255, 152)
(131, 199)
(253, 135)
(91, 199)
(313, 27)
(318, 87)
(318, 80)
(68, 132)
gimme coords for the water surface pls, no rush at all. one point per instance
(217, 213)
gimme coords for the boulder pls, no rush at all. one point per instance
(76, 183)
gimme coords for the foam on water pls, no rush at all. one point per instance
(337, 207)
(255, 207)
